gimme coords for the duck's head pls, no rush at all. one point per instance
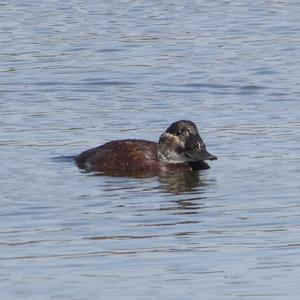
(181, 143)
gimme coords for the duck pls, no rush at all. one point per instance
(179, 148)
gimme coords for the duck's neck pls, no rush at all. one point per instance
(171, 157)
(170, 150)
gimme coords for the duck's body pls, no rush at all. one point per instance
(179, 148)
(130, 156)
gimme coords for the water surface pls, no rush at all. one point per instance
(77, 74)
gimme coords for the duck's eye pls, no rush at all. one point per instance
(180, 131)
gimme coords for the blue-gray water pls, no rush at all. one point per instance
(75, 74)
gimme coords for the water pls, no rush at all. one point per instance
(75, 74)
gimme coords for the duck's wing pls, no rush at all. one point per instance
(121, 155)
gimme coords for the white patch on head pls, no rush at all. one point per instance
(169, 155)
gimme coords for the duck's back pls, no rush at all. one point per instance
(122, 155)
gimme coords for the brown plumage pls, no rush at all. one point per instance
(122, 155)
(179, 148)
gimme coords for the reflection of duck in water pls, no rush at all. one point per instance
(180, 147)
(179, 182)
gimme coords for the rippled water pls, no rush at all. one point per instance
(75, 74)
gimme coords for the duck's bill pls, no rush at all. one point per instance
(195, 149)
(196, 155)
(211, 157)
